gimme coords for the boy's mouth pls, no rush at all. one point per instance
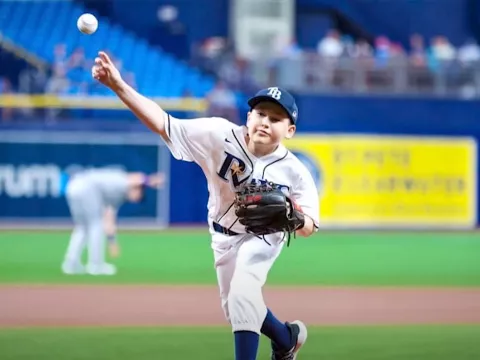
(263, 133)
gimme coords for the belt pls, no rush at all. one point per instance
(223, 230)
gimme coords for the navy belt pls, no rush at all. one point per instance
(223, 230)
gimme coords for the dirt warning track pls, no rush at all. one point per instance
(81, 305)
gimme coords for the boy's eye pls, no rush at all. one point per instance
(272, 119)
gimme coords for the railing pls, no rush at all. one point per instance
(312, 73)
(52, 109)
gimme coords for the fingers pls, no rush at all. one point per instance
(157, 180)
(101, 63)
(98, 72)
(100, 69)
(104, 69)
(105, 58)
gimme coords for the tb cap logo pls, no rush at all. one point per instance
(275, 93)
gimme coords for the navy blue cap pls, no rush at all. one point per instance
(279, 96)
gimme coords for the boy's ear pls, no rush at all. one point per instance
(291, 131)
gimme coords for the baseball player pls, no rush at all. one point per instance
(255, 184)
(94, 197)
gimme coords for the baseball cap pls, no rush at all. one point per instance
(279, 96)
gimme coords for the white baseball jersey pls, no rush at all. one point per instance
(219, 148)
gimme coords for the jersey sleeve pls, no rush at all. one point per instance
(193, 139)
(306, 196)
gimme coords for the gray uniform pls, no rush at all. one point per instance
(88, 194)
(105, 187)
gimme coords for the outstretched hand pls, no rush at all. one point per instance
(105, 71)
(156, 180)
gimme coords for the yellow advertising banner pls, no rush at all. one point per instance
(380, 181)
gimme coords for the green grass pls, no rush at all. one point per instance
(335, 343)
(332, 258)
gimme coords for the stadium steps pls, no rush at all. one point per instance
(22, 53)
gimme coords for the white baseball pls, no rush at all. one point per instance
(87, 24)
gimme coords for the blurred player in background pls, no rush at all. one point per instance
(94, 197)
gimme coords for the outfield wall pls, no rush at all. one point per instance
(377, 163)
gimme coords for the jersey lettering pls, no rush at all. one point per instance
(260, 182)
(237, 168)
(275, 93)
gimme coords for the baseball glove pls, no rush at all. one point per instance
(265, 209)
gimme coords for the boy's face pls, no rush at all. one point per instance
(268, 124)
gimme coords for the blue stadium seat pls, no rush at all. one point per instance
(6, 10)
(17, 18)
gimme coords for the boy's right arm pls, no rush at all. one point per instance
(188, 140)
(150, 113)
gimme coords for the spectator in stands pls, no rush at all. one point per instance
(417, 54)
(212, 53)
(469, 52)
(6, 88)
(222, 103)
(60, 54)
(58, 84)
(331, 45)
(77, 68)
(77, 60)
(397, 51)
(468, 56)
(383, 51)
(32, 80)
(349, 47)
(281, 59)
(440, 54)
(291, 50)
(236, 75)
(442, 49)
(365, 50)
(330, 48)
(71, 72)
(358, 50)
